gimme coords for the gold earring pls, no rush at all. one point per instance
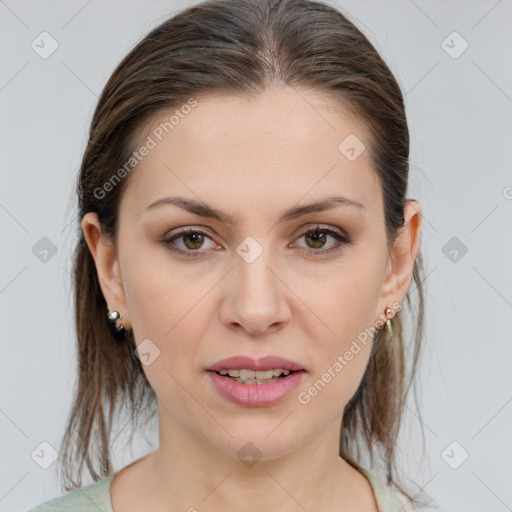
(388, 322)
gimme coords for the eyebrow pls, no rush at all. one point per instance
(204, 210)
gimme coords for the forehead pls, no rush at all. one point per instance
(280, 147)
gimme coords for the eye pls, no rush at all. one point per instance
(317, 237)
(193, 240)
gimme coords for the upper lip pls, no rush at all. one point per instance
(265, 363)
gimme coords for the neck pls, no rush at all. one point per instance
(188, 473)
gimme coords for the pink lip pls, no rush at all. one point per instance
(265, 363)
(256, 395)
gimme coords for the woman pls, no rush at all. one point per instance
(246, 241)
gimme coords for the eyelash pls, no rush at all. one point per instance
(342, 240)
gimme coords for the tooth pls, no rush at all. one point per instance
(268, 374)
(250, 374)
(256, 381)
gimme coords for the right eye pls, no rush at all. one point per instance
(192, 240)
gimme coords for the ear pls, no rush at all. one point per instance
(401, 264)
(107, 266)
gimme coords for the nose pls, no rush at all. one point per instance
(257, 296)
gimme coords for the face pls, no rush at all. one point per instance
(254, 282)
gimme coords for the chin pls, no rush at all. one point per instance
(254, 440)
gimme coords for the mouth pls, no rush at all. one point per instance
(256, 382)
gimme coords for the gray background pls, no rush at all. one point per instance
(459, 109)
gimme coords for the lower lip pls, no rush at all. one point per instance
(256, 395)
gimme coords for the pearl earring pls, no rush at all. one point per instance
(113, 317)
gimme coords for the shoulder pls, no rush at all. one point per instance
(93, 497)
(387, 499)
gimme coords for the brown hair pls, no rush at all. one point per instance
(238, 47)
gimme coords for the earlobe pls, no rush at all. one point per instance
(107, 266)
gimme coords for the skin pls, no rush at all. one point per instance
(251, 159)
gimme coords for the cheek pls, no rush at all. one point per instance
(341, 331)
(162, 296)
(164, 313)
(167, 306)
(149, 299)
(343, 304)
(340, 359)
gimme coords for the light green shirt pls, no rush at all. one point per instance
(96, 498)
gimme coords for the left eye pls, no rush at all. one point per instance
(193, 240)
(318, 236)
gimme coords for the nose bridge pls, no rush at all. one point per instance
(253, 272)
(257, 291)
